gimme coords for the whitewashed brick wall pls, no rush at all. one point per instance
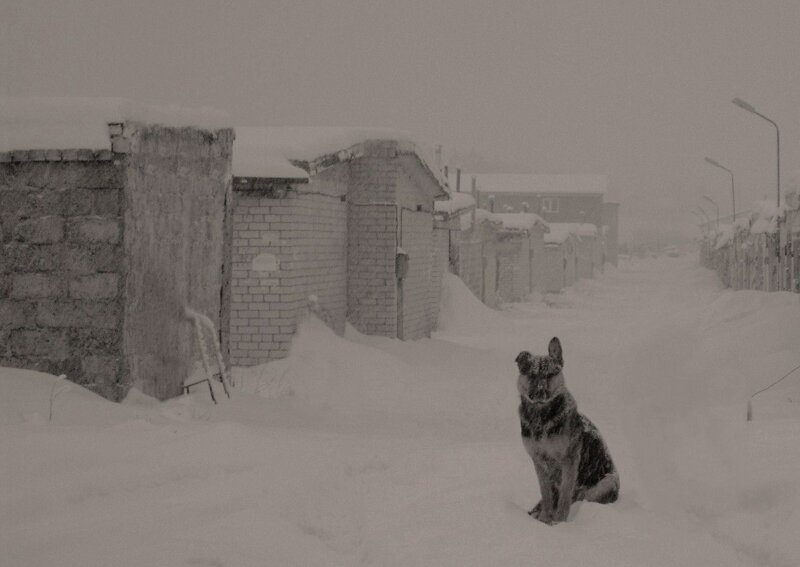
(285, 250)
(372, 286)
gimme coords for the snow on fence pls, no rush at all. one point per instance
(760, 251)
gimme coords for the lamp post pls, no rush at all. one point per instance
(733, 205)
(733, 193)
(751, 109)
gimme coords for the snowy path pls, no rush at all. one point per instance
(388, 453)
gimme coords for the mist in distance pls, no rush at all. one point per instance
(638, 91)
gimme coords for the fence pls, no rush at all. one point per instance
(761, 253)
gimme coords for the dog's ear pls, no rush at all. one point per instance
(555, 351)
(523, 361)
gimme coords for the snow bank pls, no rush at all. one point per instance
(50, 123)
(362, 450)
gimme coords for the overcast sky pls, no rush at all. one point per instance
(636, 90)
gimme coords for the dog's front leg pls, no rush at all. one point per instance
(546, 488)
(566, 488)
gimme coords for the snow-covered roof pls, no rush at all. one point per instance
(273, 151)
(456, 203)
(481, 215)
(533, 183)
(49, 123)
(560, 232)
(521, 221)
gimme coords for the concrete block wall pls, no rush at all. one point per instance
(287, 247)
(102, 251)
(61, 267)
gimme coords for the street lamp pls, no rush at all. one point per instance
(733, 204)
(733, 194)
(750, 108)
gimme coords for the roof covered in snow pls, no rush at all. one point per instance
(49, 123)
(532, 183)
(521, 221)
(455, 204)
(560, 232)
(481, 215)
(275, 152)
(586, 229)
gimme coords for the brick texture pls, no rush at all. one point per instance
(286, 250)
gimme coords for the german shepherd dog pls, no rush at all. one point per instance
(571, 459)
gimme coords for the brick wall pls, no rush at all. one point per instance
(371, 281)
(372, 241)
(289, 243)
(418, 285)
(61, 269)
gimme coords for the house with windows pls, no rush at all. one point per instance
(556, 198)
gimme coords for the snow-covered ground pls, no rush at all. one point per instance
(368, 451)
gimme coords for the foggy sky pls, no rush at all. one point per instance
(636, 90)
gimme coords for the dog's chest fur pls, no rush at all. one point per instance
(551, 428)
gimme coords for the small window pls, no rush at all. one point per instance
(549, 204)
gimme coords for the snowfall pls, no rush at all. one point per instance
(359, 450)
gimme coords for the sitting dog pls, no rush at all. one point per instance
(571, 459)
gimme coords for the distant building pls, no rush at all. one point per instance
(576, 199)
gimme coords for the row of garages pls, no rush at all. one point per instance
(115, 226)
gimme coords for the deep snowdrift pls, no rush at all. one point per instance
(364, 450)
